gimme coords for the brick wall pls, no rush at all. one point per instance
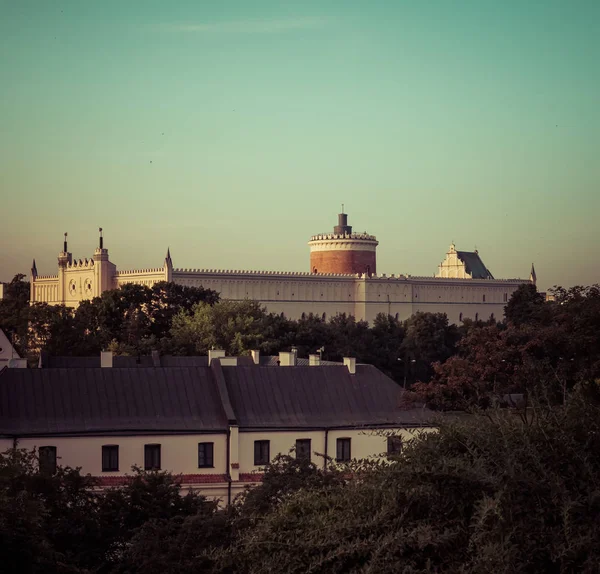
(343, 261)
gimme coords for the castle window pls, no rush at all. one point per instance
(476, 316)
(47, 460)
(324, 317)
(110, 458)
(343, 450)
(261, 452)
(394, 445)
(303, 315)
(492, 318)
(460, 317)
(484, 298)
(152, 457)
(206, 454)
(303, 449)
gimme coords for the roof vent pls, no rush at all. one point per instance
(106, 359)
(350, 362)
(215, 354)
(287, 359)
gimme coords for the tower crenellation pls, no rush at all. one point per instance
(343, 252)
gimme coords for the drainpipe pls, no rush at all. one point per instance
(325, 457)
(228, 466)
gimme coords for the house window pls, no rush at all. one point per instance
(152, 457)
(261, 452)
(303, 448)
(206, 454)
(110, 458)
(47, 458)
(394, 445)
(343, 450)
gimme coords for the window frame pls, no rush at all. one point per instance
(342, 442)
(392, 445)
(43, 461)
(108, 450)
(306, 454)
(258, 450)
(158, 448)
(209, 454)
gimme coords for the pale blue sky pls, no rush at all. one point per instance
(232, 131)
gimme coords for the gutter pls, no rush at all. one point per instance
(228, 466)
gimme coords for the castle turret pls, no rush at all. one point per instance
(168, 266)
(104, 270)
(343, 251)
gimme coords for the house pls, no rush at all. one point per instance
(8, 354)
(217, 425)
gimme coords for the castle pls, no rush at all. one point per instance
(342, 279)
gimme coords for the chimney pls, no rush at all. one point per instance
(350, 362)
(314, 360)
(106, 359)
(215, 354)
(17, 363)
(287, 359)
(228, 361)
(155, 359)
(256, 357)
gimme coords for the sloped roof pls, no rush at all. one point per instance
(474, 265)
(297, 397)
(7, 351)
(49, 401)
(197, 399)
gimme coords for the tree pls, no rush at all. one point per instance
(525, 305)
(428, 339)
(235, 326)
(465, 499)
(14, 309)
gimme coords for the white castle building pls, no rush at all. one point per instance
(342, 279)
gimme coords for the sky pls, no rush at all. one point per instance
(232, 131)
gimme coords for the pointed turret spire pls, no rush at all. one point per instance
(168, 261)
(33, 269)
(532, 275)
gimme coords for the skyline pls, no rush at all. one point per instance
(231, 133)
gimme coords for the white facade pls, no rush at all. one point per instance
(454, 291)
(179, 453)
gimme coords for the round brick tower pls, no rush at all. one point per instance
(343, 251)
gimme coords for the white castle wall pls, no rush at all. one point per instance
(293, 294)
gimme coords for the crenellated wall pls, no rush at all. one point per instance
(325, 293)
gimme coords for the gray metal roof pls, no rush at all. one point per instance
(48, 401)
(197, 399)
(474, 265)
(297, 397)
